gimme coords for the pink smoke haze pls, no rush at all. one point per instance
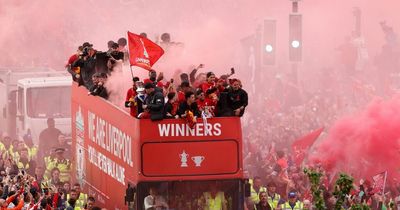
(46, 33)
(365, 143)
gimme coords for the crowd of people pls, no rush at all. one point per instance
(38, 176)
(294, 110)
(155, 98)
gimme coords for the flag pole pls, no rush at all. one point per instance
(131, 71)
(384, 184)
(130, 66)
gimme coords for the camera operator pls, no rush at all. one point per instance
(114, 56)
(86, 64)
(105, 61)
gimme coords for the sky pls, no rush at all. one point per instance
(47, 32)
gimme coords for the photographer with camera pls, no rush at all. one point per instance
(98, 88)
(106, 61)
(86, 63)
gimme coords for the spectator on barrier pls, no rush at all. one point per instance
(86, 63)
(169, 112)
(238, 97)
(154, 103)
(210, 82)
(130, 98)
(98, 88)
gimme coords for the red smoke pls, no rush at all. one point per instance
(365, 143)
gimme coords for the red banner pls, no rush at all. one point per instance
(307, 141)
(194, 158)
(379, 182)
(142, 51)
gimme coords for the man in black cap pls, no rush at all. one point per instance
(154, 102)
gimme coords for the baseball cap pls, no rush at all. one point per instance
(292, 195)
(86, 44)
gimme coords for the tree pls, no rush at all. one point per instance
(315, 178)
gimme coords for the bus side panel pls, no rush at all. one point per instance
(105, 142)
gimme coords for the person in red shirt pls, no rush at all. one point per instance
(210, 82)
(183, 88)
(153, 79)
(130, 98)
(75, 72)
(200, 100)
(211, 102)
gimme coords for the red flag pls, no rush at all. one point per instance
(307, 141)
(143, 52)
(379, 182)
(302, 144)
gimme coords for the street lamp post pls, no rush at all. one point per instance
(295, 38)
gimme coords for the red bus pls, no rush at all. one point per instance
(118, 158)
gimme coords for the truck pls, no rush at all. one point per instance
(29, 96)
(119, 158)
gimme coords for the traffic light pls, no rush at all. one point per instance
(269, 42)
(295, 38)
